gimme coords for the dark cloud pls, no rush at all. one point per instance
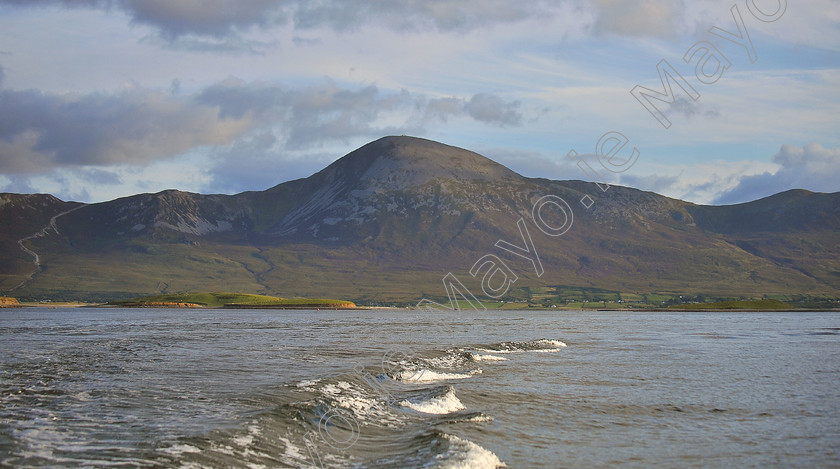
(209, 18)
(222, 18)
(812, 167)
(39, 131)
(635, 18)
(218, 19)
(136, 127)
(215, 18)
(490, 108)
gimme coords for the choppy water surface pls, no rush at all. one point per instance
(217, 388)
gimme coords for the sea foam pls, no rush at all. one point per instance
(445, 403)
(484, 357)
(425, 375)
(464, 454)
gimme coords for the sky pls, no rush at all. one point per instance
(101, 99)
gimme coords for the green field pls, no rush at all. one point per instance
(580, 298)
(231, 300)
(763, 305)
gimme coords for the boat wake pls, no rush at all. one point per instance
(404, 412)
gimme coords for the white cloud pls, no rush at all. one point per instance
(812, 167)
(95, 184)
(701, 183)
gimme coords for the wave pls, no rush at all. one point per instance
(437, 402)
(425, 375)
(464, 454)
(390, 414)
(483, 357)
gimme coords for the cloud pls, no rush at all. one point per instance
(490, 108)
(227, 45)
(242, 126)
(16, 184)
(812, 167)
(440, 15)
(638, 18)
(690, 108)
(100, 177)
(39, 131)
(699, 182)
(188, 24)
(314, 115)
(257, 163)
(310, 116)
(211, 18)
(483, 107)
(215, 18)
(305, 41)
(649, 182)
(219, 19)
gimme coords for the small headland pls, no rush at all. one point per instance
(7, 302)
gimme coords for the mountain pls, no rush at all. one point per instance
(389, 220)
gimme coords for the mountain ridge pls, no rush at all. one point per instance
(389, 219)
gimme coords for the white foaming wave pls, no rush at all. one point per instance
(480, 418)
(425, 375)
(464, 454)
(484, 357)
(350, 397)
(178, 449)
(361, 403)
(308, 384)
(446, 403)
(555, 343)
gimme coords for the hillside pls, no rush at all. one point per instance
(388, 221)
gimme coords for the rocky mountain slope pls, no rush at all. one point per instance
(391, 219)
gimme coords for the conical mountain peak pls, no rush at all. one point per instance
(400, 162)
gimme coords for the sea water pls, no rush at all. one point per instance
(404, 388)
